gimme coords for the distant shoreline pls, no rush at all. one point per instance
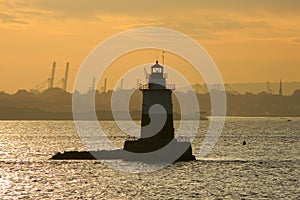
(56, 104)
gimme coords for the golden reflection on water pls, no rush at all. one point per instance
(4, 183)
(267, 167)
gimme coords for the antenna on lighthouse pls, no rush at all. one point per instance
(163, 58)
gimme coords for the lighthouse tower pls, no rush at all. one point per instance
(157, 128)
(156, 92)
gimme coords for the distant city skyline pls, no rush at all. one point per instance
(250, 41)
(241, 88)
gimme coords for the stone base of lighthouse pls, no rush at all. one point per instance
(148, 145)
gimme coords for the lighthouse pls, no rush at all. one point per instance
(157, 127)
(158, 93)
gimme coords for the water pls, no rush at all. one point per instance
(268, 167)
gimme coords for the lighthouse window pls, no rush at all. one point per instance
(156, 70)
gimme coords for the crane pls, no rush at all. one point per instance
(65, 80)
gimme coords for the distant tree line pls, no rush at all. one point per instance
(56, 104)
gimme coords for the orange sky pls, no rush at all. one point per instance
(250, 41)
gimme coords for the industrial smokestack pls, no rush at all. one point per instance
(280, 88)
(53, 75)
(105, 85)
(66, 77)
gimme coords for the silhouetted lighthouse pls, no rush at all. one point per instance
(156, 92)
(157, 128)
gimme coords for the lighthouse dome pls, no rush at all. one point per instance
(157, 68)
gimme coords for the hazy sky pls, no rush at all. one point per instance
(250, 41)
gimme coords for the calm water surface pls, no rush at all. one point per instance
(268, 167)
